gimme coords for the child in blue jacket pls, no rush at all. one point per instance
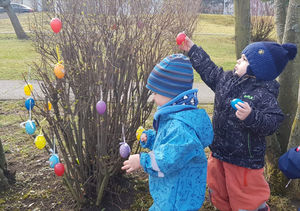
(176, 164)
(235, 168)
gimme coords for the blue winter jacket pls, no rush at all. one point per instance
(239, 142)
(177, 164)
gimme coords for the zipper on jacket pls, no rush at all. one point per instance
(249, 146)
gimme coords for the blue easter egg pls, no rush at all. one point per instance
(234, 102)
(29, 103)
(54, 159)
(30, 127)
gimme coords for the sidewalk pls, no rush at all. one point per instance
(14, 90)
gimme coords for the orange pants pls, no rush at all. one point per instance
(236, 188)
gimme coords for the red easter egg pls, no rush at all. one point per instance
(59, 169)
(180, 38)
(56, 25)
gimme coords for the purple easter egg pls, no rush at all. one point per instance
(101, 107)
(124, 150)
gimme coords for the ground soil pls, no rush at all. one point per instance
(38, 188)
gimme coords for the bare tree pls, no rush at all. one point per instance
(242, 25)
(14, 19)
(3, 168)
(287, 22)
(108, 49)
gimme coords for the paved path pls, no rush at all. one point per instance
(14, 90)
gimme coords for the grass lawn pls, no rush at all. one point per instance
(215, 33)
(37, 188)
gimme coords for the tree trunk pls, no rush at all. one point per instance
(14, 19)
(280, 16)
(3, 169)
(242, 25)
(289, 79)
(294, 141)
(274, 176)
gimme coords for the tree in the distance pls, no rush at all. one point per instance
(14, 19)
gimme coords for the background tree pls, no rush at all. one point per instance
(14, 19)
(3, 168)
(289, 89)
(242, 25)
(108, 49)
(289, 79)
(287, 15)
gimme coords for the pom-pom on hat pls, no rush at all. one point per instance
(172, 76)
(268, 59)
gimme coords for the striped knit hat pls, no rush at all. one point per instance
(172, 76)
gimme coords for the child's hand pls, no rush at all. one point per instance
(186, 45)
(243, 110)
(132, 164)
(144, 137)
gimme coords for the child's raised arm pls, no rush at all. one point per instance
(208, 70)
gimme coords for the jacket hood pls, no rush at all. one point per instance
(271, 86)
(187, 114)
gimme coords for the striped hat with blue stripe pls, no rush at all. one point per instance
(172, 76)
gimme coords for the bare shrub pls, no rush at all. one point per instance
(108, 48)
(262, 20)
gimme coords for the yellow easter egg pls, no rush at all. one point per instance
(49, 106)
(139, 132)
(40, 142)
(59, 71)
(28, 88)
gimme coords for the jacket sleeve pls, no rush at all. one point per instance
(176, 149)
(266, 119)
(210, 73)
(150, 139)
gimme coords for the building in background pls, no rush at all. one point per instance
(225, 7)
(37, 5)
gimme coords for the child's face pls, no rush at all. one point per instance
(160, 100)
(241, 66)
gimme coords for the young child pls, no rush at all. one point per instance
(176, 164)
(235, 168)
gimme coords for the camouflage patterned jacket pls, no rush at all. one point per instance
(239, 142)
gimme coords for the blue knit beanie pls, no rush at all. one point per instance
(172, 76)
(268, 59)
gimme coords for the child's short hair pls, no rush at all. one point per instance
(268, 59)
(172, 76)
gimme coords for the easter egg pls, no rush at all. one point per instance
(30, 127)
(40, 142)
(139, 132)
(180, 38)
(29, 103)
(101, 107)
(56, 25)
(124, 150)
(140, 24)
(48, 107)
(53, 160)
(59, 169)
(59, 71)
(28, 88)
(234, 102)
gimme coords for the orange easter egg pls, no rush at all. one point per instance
(59, 71)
